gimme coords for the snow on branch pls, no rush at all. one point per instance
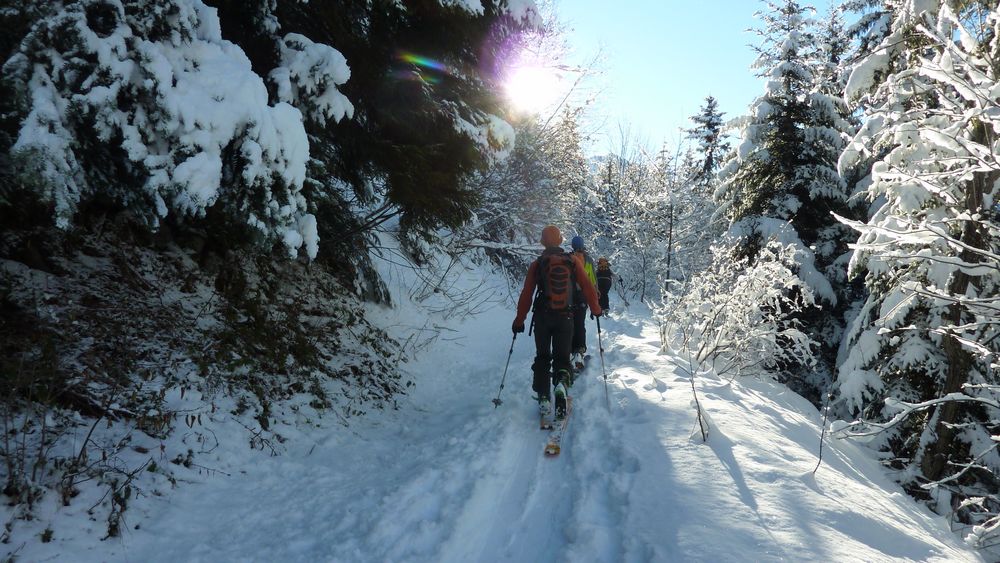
(863, 428)
(165, 124)
(308, 78)
(737, 317)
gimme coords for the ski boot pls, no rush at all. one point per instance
(544, 413)
(544, 406)
(560, 401)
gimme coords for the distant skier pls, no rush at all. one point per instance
(579, 304)
(553, 274)
(605, 280)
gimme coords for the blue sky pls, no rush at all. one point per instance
(661, 59)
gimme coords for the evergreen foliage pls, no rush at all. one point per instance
(920, 363)
(424, 100)
(291, 130)
(712, 145)
(161, 161)
(782, 181)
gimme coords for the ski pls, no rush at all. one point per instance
(554, 444)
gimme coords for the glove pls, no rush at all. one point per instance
(517, 327)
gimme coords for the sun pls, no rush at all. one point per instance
(532, 88)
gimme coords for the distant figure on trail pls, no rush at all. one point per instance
(579, 304)
(605, 279)
(553, 275)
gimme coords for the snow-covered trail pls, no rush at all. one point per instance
(448, 477)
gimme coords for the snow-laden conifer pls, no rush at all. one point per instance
(708, 133)
(919, 367)
(783, 169)
(146, 107)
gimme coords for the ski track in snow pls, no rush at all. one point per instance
(448, 477)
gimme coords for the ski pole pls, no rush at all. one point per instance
(497, 402)
(600, 346)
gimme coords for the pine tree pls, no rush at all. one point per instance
(829, 129)
(140, 121)
(782, 181)
(761, 179)
(873, 23)
(920, 353)
(330, 117)
(712, 146)
(426, 98)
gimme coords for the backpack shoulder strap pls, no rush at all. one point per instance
(542, 265)
(541, 281)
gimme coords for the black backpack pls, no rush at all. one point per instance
(603, 278)
(556, 280)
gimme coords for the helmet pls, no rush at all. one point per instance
(577, 243)
(551, 236)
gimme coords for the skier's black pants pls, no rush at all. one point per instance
(605, 290)
(579, 329)
(553, 336)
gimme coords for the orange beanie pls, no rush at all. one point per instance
(551, 236)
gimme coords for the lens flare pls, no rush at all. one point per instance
(420, 68)
(532, 88)
(421, 61)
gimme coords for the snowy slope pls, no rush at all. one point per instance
(448, 477)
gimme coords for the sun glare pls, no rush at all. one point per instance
(532, 88)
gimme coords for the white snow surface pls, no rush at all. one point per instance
(449, 478)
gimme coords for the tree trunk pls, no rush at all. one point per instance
(934, 463)
(670, 244)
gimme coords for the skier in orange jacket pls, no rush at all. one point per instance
(553, 275)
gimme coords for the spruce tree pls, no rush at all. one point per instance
(143, 107)
(829, 129)
(426, 98)
(712, 145)
(331, 117)
(782, 182)
(921, 353)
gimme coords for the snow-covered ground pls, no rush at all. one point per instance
(448, 477)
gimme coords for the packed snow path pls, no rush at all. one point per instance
(448, 477)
